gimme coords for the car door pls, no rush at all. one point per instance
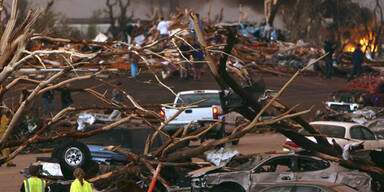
(316, 170)
(364, 134)
(277, 169)
(356, 133)
(370, 140)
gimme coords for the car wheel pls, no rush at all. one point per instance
(71, 156)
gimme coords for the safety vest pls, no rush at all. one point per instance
(77, 187)
(34, 184)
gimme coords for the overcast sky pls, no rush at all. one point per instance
(142, 8)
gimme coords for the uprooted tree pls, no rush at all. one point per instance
(172, 153)
(282, 123)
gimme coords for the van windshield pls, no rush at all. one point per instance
(210, 99)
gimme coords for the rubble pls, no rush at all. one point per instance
(222, 156)
(220, 47)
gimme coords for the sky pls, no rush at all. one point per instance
(142, 8)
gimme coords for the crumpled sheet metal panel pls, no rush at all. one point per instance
(240, 177)
(355, 179)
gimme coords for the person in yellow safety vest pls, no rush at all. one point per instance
(34, 184)
(80, 184)
(3, 126)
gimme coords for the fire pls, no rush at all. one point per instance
(367, 42)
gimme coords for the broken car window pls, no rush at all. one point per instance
(282, 164)
(308, 164)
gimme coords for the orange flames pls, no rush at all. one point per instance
(367, 42)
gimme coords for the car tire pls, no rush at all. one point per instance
(72, 155)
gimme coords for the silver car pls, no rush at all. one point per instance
(264, 171)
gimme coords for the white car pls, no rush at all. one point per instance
(209, 110)
(343, 133)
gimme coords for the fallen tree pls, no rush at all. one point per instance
(172, 153)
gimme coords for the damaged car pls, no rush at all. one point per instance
(263, 171)
(308, 186)
(343, 133)
(362, 91)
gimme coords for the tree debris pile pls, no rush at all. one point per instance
(174, 153)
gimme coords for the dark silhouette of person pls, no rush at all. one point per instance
(357, 60)
(65, 95)
(49, 102)
(328, 48)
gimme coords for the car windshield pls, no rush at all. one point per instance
(210, 99)
(327, 130)
(251, 163)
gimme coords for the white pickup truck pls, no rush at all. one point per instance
(201, 114)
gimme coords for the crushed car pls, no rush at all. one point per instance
(263, 171)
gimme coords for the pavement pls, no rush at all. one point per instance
(10, 177)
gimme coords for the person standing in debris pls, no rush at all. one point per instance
(198, 59)
(163, 27)
(134, 66)
(357, 60)
(34, 183)
(185, 65)
(328, 48)
(65, 95)
(48, 101)
(117, 96)
(126, 34)
(80, 184)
